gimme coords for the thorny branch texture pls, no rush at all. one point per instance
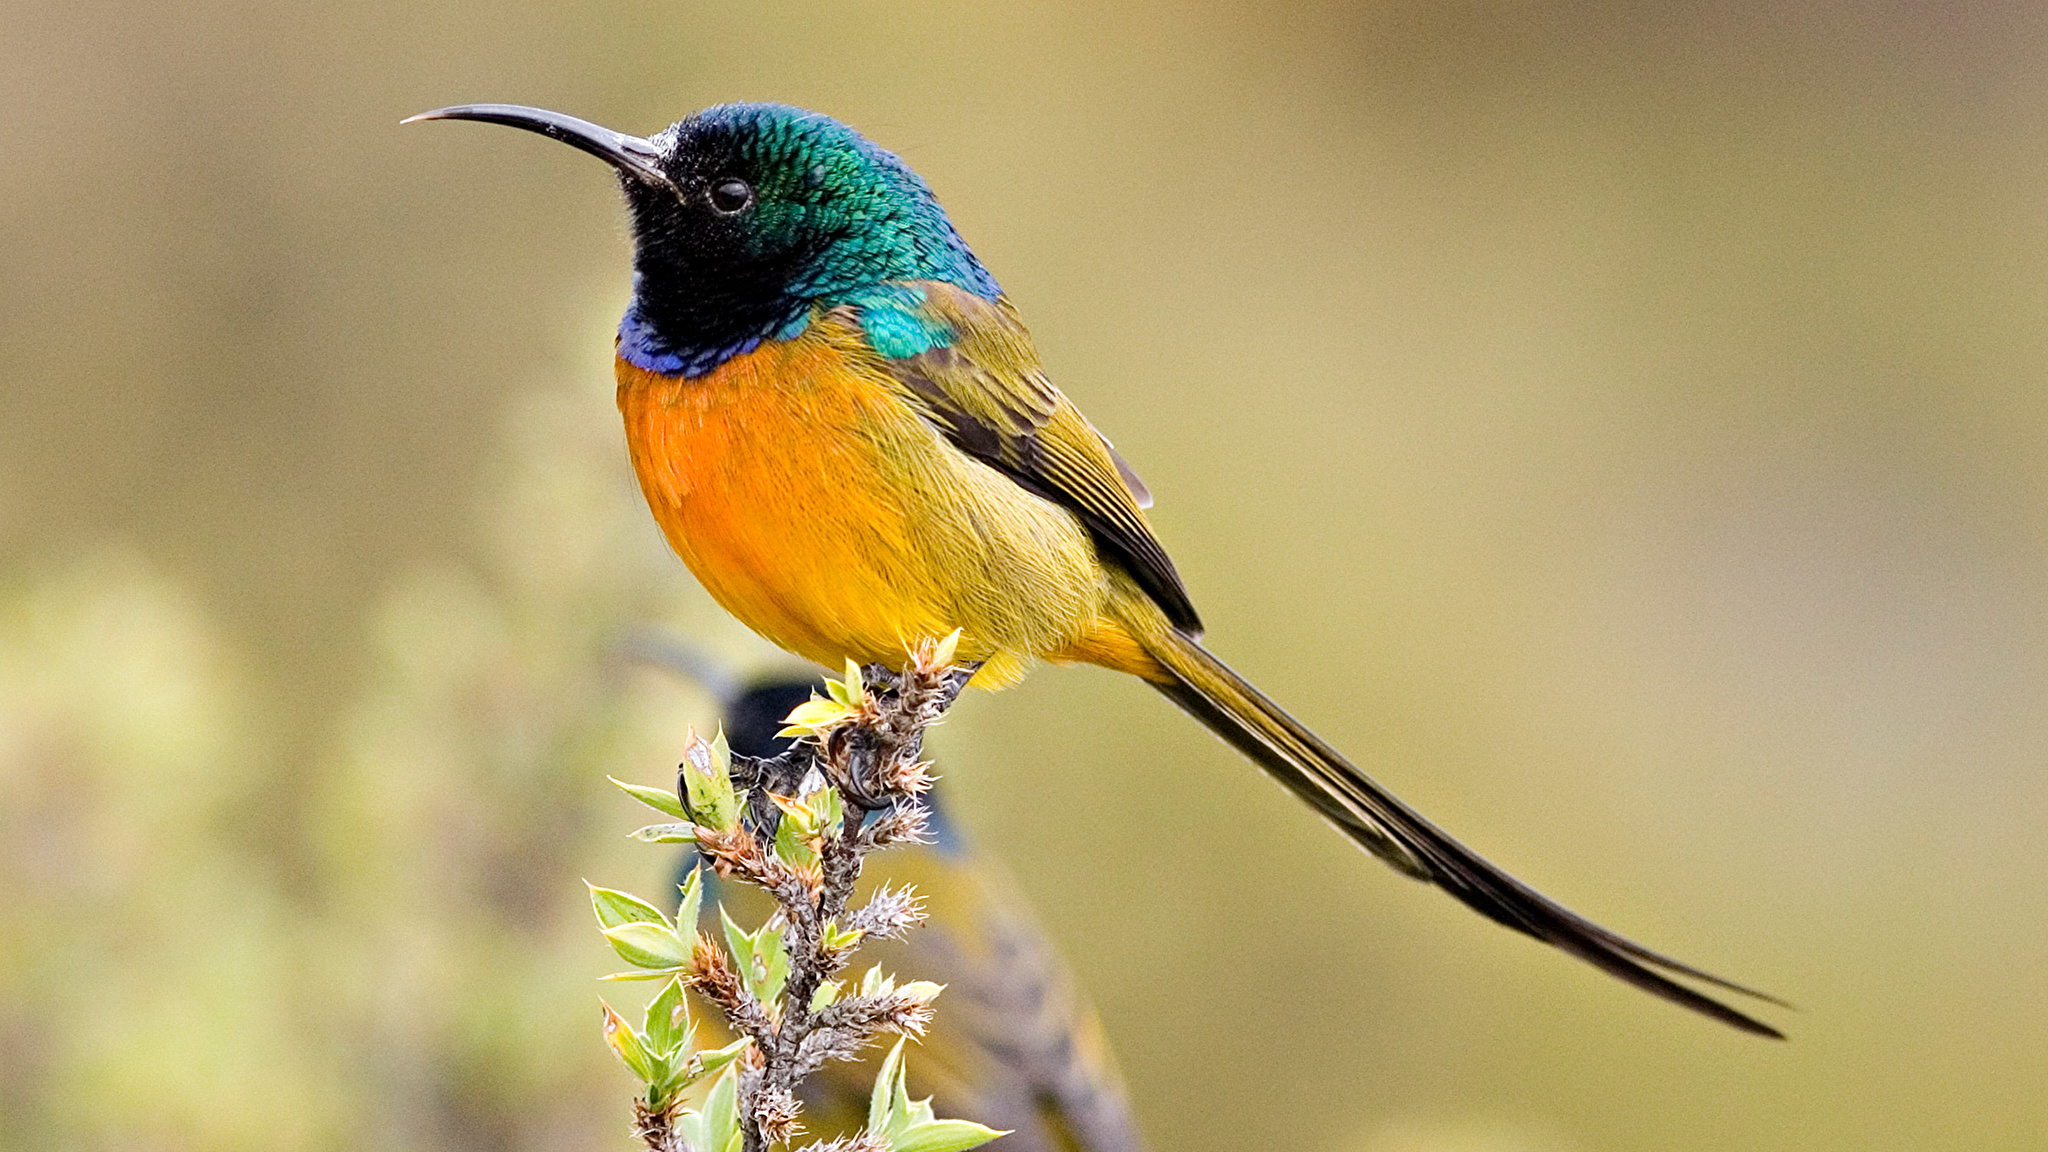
(874, 760)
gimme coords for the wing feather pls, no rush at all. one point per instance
(982, 387)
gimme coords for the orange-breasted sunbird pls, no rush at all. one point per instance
(843, 428)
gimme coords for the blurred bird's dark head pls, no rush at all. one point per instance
(746, 216)
(755, 717)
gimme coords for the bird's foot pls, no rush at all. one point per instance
(760, 777)
(886, 765)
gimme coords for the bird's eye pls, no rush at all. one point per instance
(730, 196)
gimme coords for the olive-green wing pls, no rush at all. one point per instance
(980, 384)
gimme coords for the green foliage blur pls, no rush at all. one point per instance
(1621, 427)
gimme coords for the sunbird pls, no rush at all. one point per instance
(842, 427)
(1018, 1048)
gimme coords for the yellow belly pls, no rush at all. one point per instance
(825, 514)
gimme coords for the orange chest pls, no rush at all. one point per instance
(782, 480)
(760, 423)
(817, 506)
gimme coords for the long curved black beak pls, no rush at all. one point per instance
(632, 155)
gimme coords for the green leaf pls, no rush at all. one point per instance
(721, 1131)
(614, 908)
(668, 1019)
(690, 1126)
(705, 1063)
(645, 945)
(793, 839)
(685, 1071)
(693, 902)
(830, 807)
(874, 983)
(629, 1046)
(773, 955)
(742, 944)
(707, 785)
(800, 811)
(684, 833)
(849, 688)
(645, 974)
(827, 993)
(814, 716)
(762, 958)
(907, 1125)
(659, 799)
(888, 1089)
(944, 1136)
(922, 991)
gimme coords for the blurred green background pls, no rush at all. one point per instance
(1622, 426)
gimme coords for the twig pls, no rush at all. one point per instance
(800, 827)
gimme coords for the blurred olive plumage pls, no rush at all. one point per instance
(843, 428)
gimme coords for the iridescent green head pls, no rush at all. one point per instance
(747, 215)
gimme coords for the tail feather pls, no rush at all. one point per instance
(1371, 816)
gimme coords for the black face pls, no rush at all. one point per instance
(728, 252)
